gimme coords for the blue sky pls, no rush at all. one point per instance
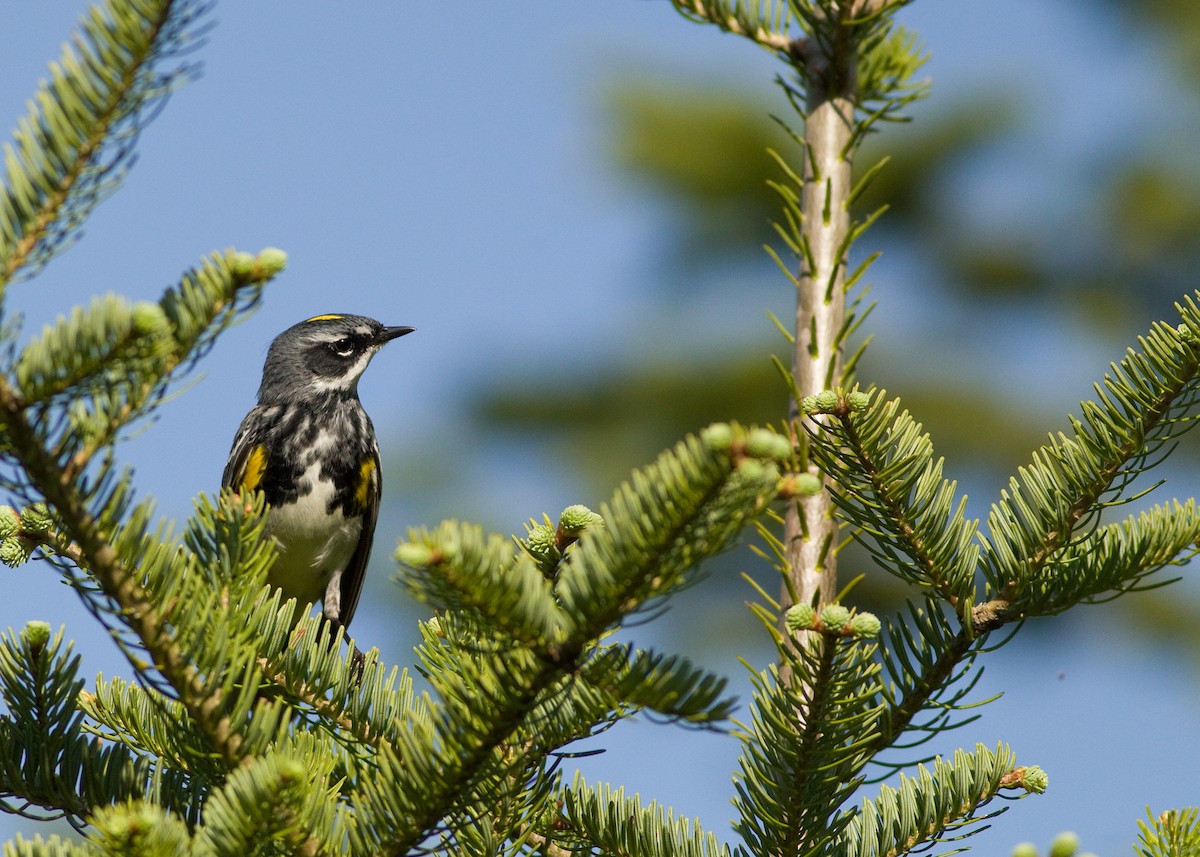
(444, 166)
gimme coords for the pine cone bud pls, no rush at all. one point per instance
(540, 543)
(718, 437)
(834, 617)
(752, 469)
(575, 519)
(35, 518)
(764, 443)
(36, 634)
(1036, 780)
(241, 264)
(865, 625)
(806, 485)
(150, 320)
(800, 617)
(271, 260)
(14, 551)
(1066, 843)
(10, 522)
(826, 401)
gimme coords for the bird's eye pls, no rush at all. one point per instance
(342, 347)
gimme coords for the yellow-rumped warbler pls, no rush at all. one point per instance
(309, 446)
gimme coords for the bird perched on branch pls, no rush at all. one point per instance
(310, 448)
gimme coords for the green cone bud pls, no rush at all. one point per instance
(414, 555)
(858, 401)
(1185, 333)
(35, 518)
(799, 617)
(241, 264)
(14, 551)
(827, 400)
(36, 634)
(10, 522)
(577, 518)
(718, 437)
(865, 625)
(541, 544)
(808, 404)
(834, 617)
(764, 443)
(1036, 780)
(271, 260)
(1025, 849)
(150, 320)
(752, 469)
(808, 485)
(1066, 843)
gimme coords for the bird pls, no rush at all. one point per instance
(310, 448)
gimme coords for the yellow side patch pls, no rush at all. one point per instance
(330, 317)
(256, 466)
(366, 471)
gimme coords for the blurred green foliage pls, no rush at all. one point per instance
(705, 151)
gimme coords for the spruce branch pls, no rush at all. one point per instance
(943, 802)
(1116, 558)
(889, 486)
(606, 818)
(38, 683)
(47, 760)
(117, 581)
(326, 708)
(688, 505)
(765, 25)
(53, 443)
(145, 722)
(270, 799)
(371, 706)
(76, 142)
(468, 746)
(511, 695)
(852, 67)
(90, 375)
(457, 567)
(669, 685)
(808, 739)
(924, 659)
(1172, 833)
(1143, 405)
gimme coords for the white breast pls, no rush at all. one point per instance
(314, 546)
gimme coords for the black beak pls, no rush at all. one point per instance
(390, 333)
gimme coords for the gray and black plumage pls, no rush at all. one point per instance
(309, 446)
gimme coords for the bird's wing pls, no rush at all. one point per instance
(370, 490)
(247, 459)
